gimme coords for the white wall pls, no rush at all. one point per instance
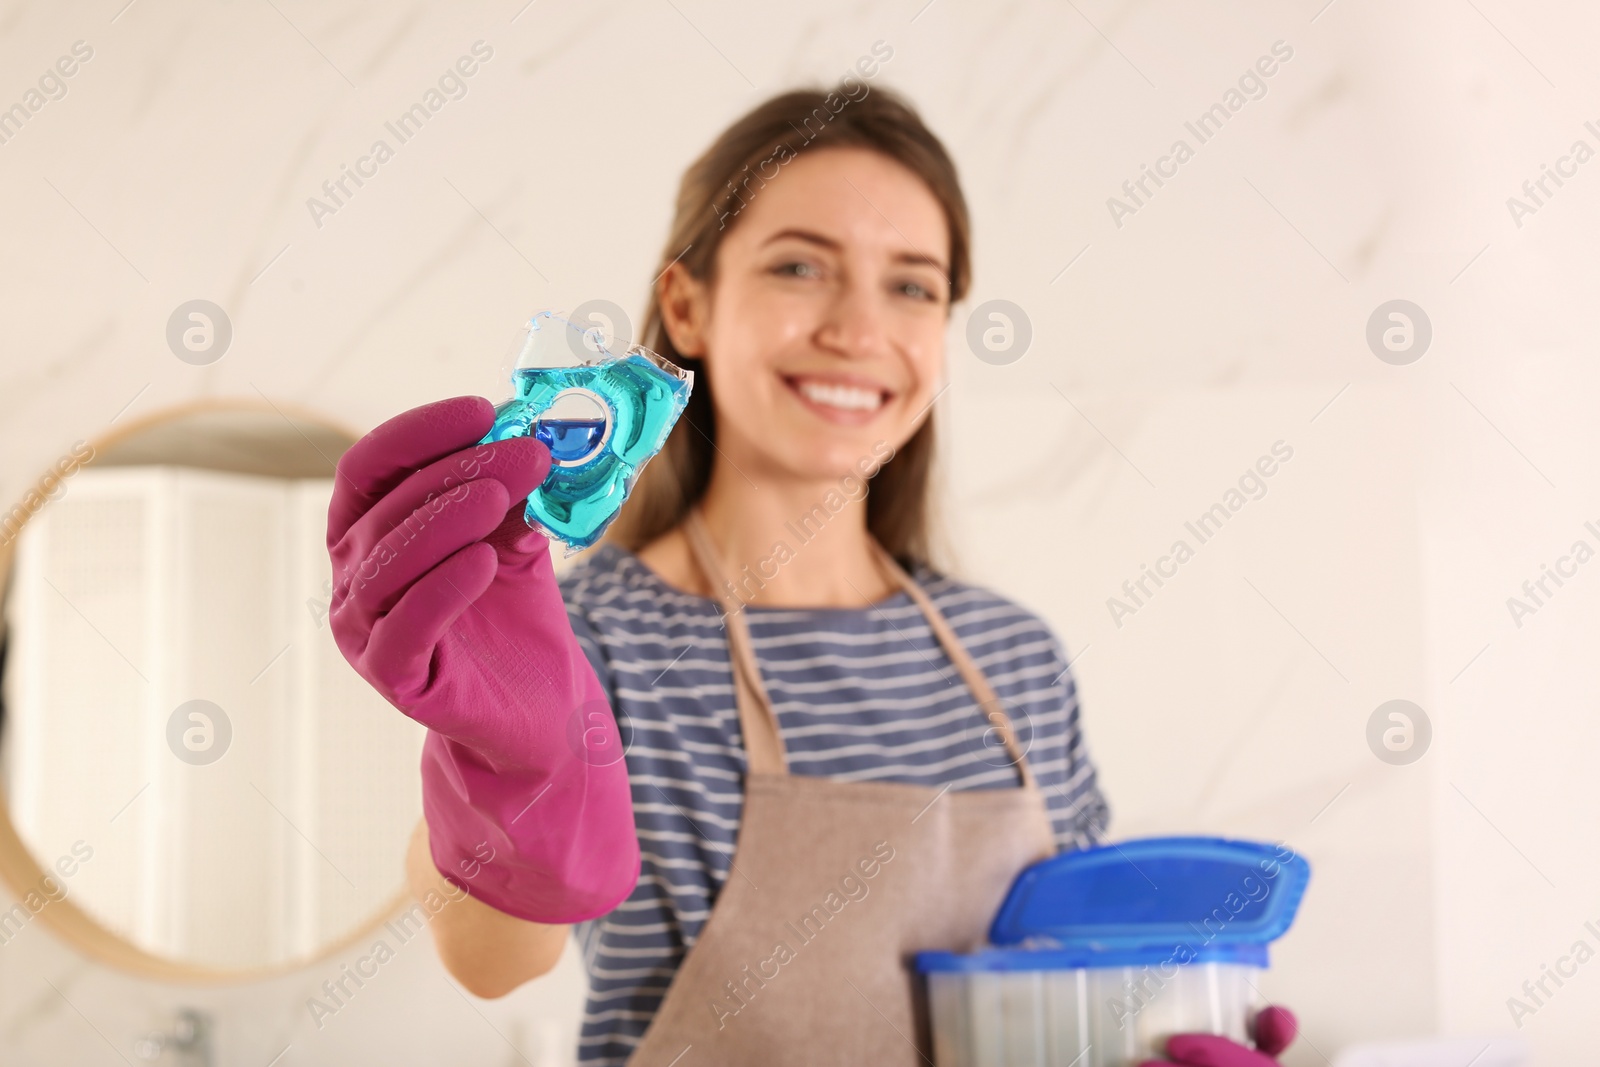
(1222, 317)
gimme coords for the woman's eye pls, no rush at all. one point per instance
(798, 270)
(916, 290)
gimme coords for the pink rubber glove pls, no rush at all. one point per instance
(1274, 1028)
(445, 601)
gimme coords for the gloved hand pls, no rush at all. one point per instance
(445, 601)
(1273, 1029)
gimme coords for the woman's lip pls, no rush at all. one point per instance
(838, 416)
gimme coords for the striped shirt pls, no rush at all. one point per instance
(861, 694)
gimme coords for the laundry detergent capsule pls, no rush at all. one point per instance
(601, 409)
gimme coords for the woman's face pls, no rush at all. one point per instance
(823, 332)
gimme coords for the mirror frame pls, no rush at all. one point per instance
(20, 870)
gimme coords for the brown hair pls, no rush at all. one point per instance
(714, 189)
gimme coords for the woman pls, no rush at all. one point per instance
(835, 755)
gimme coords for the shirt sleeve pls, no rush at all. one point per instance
(1067, 777)
(589, 641)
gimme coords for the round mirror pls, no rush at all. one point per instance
(196, 784)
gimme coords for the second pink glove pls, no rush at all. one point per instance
(1272, 1030)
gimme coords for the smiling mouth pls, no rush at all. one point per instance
(846, 398)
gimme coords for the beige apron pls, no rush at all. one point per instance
(805, 958)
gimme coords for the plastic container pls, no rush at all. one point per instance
(1103, 954)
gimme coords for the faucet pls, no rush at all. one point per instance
(189, 1041)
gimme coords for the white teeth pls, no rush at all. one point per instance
(848, 397)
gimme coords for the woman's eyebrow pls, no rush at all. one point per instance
(812, 237)
(922, 259)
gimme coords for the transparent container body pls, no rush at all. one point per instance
(603, 411)
(1093, 1017)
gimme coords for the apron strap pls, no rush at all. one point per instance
(970, 673)
(759, 721)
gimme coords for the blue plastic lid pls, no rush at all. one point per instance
(1154, 893)
(992, 960)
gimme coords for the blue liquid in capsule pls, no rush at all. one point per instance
(579, 499)
(569, 440)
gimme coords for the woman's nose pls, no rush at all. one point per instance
(855, 325)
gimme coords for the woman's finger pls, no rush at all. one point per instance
(424, 539)
(1275, 1029)
(401, 649)
(1210, 1050)
(391, 452)
(520, 464)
